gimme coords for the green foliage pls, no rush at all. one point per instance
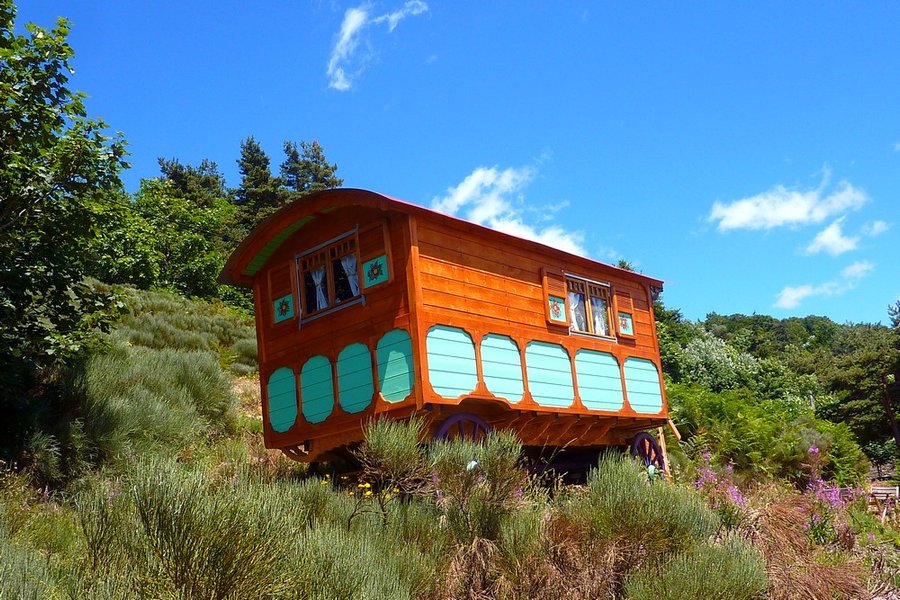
(732, 571)
(478, 485)
(306, 170)
(54, 162)
(764, 437)
(204, 543)
(139, 400)
(656, 520)
(186, 235)
(164, 320)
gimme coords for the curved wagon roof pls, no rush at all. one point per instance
(253, 253)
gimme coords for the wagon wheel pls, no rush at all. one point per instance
(463, 426)
(645, 447)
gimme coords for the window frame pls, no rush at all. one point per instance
(326, 250)
(590, 288)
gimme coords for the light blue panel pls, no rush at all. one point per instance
(549, 374)
(316, 389)
(354, 373)
(282, 392)
(375, 271)
(393, 355)
(642, 383)
(501, 365)
(283, 308)
(451, 361)
(599, 380)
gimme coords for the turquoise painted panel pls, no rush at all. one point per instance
(354, 373)
(451, 361)
(549, 374)
(375, 271)
(282, 393)
(316, 389)
(283, 308)
(394, 358)
(557, 309)
(642, 383)
(501, 365)
(599, 380)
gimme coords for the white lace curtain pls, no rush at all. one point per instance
(318, 276)
(576, 311)
(599, 312)
(349, 264)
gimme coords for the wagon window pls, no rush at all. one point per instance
(588, 306)
(329, 276)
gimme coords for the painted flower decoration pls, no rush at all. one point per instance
(284, 307)
(555, 310)
(376, 270)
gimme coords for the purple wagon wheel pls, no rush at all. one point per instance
(463, 426)
(645, 447)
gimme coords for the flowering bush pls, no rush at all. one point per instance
(827, 518)
(722, 495)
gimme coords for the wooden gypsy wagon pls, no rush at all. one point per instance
(366, 305)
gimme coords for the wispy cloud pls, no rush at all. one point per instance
(782, 206)
(494, 198)
(793, 296)
(410, 9)
(345, 62)
(875, 228)
(896, 146)
(832, 240)
(858, 270)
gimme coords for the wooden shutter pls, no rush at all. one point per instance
(624, 314)
(556, 300)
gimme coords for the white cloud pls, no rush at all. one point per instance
(344, 63)
(493, 197)
(793, 296)
(354, 20)
(875, 228)
(781, 206)
(410, 9)
(896, 146)
(832, 240)
(858, 270)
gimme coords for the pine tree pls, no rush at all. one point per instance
(306, 170)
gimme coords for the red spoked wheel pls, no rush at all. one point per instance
(463, 426)
(645, 447)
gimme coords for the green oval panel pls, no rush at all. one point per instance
(642, 383)
(354, 373)
(501, 365)
(599, 380)
(282, 393)
(393, 355)
(549, 374)
(316, 389)
(451, 361)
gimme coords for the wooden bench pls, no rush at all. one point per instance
(882, 498)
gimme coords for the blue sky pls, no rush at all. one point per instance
(746, 153)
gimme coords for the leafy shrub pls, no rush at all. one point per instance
(731, 571)
(327, 563)
(764, 437)
(637, 522)
(202, 542)
(139, 399)
(23, 573)
(477, 485)
(620, 504)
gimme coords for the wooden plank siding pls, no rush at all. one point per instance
(469, 299)
(487, 288)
